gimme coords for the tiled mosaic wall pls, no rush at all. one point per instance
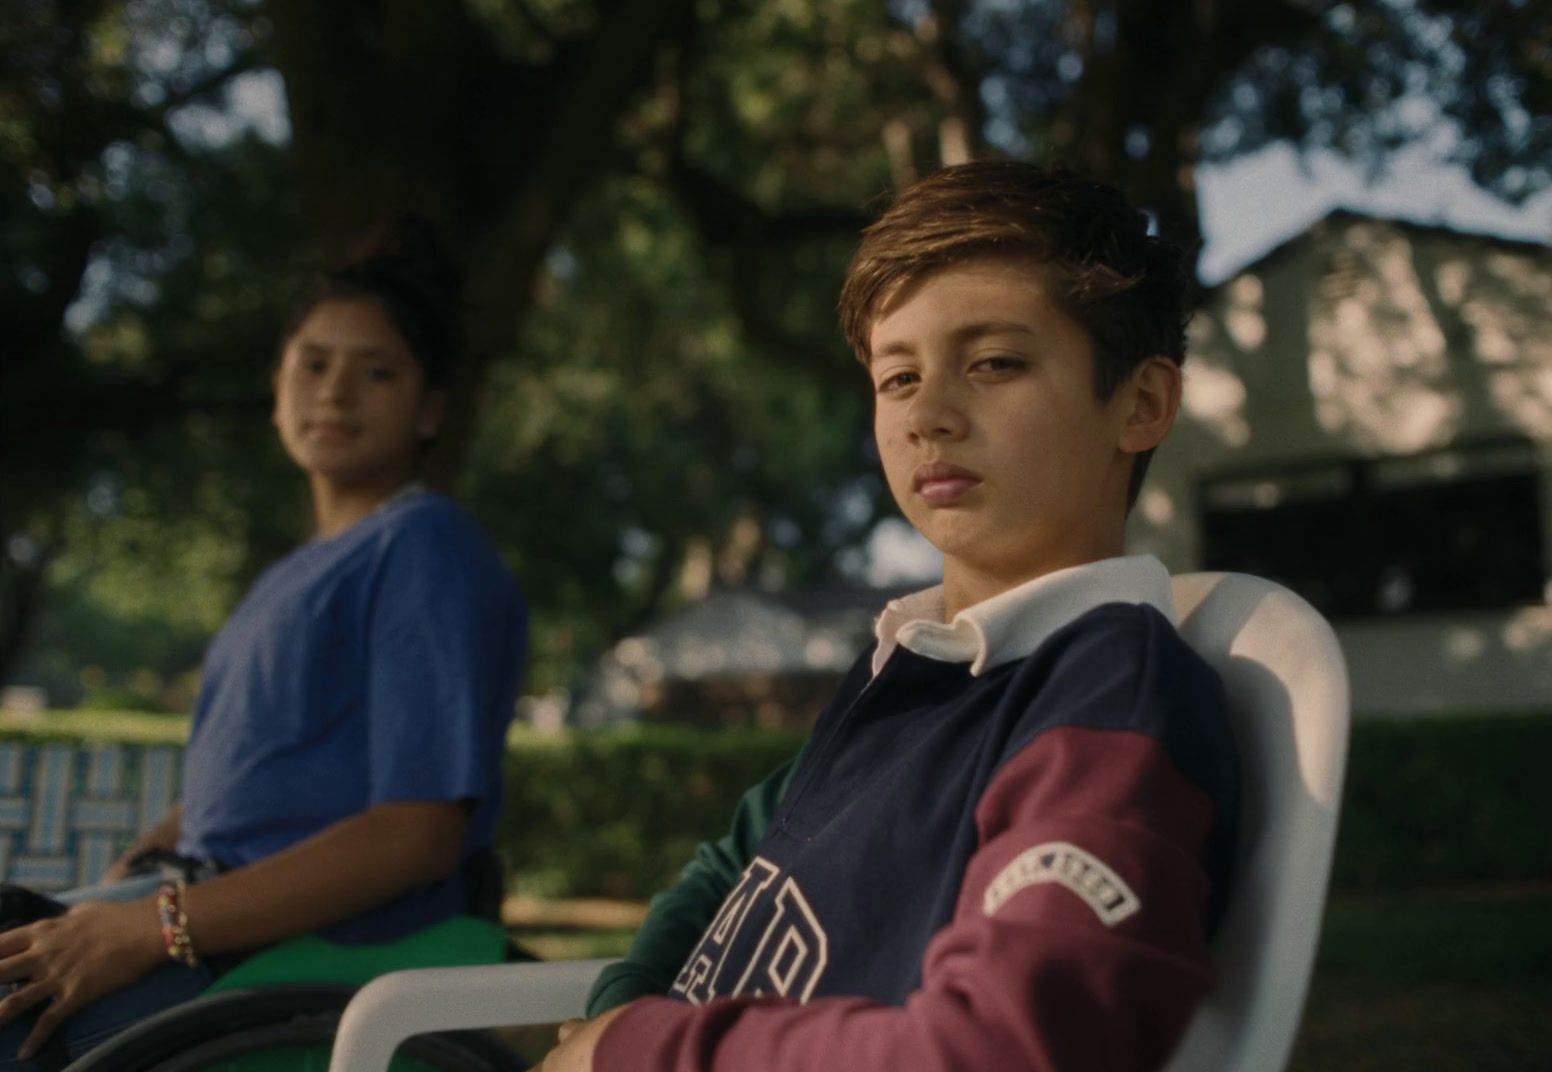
(68, 810)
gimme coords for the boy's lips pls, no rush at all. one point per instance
(940, 483)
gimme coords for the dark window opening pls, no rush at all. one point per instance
(1452, 529)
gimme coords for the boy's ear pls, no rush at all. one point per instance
(1153, 390)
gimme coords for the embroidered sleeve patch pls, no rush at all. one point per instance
(1081, 872)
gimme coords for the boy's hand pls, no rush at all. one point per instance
(578, 1039)
(73, 959)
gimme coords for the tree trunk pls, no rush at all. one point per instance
(398, 104)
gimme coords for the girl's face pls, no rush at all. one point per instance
(351, 402)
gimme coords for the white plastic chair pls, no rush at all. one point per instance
(1287, 689)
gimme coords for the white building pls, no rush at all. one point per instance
(1368, 416)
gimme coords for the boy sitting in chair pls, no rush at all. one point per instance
(1009, 838)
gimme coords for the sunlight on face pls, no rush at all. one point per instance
(992, 439)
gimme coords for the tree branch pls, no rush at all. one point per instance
(737, 229)
(956, 80)
(244, 61)
(592, 88)
(535, 23)
(740, 231)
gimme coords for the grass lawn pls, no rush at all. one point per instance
(1435, 980)
(576, 929)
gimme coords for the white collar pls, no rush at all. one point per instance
(1012, 624)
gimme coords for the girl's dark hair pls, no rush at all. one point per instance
(403, 265)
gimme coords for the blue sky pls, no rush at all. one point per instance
(1257, 202)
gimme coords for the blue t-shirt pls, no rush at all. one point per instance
(379, 665)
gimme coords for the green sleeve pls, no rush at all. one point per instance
(680, 914)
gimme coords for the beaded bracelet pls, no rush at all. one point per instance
(175, 923)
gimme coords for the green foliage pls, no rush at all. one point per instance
(152, 251)
(1405, 937)
(1446, 800)
(91, 726)
(134, 598)
(654, 249)
(641, 423)
(618, 813)
(681, 392)
(1420, 980)
(122, 699)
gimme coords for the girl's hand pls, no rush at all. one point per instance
(73, 959)
(164, 835)
(578, 1039)
(118, 870)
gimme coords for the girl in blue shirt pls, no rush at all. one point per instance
(345, 756)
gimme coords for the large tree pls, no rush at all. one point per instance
(654, 201)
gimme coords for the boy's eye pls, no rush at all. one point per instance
(1000, 363)
(895, 381)
(380, 373)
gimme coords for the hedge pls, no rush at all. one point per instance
(616, 813)
(1427, 801)
(1445, 800)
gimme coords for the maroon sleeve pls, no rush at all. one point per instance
(1077, 941)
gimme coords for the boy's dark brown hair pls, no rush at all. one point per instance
(1122, 285)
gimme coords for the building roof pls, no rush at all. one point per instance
(737, 632)
(1341, 216)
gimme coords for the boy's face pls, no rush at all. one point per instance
(992, 439)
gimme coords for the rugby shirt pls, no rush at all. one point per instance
(1002, 854)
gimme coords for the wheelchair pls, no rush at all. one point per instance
(278, 1009)
(281, 1028)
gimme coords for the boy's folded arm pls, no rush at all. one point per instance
(680, 914)
(1078, 941)
(677, 918)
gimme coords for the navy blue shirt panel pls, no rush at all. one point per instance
(878, 825)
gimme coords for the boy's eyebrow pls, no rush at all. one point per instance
(962, 334)
(993, 327)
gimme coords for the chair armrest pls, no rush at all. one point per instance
(401, 1004)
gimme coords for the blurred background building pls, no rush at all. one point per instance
(1368, 418)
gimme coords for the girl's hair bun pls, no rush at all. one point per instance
(403, 263)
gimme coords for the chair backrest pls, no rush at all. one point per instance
(1287, 690)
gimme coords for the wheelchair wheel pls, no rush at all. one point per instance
(275, 1029)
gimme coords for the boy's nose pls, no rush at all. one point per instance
(934, 414)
